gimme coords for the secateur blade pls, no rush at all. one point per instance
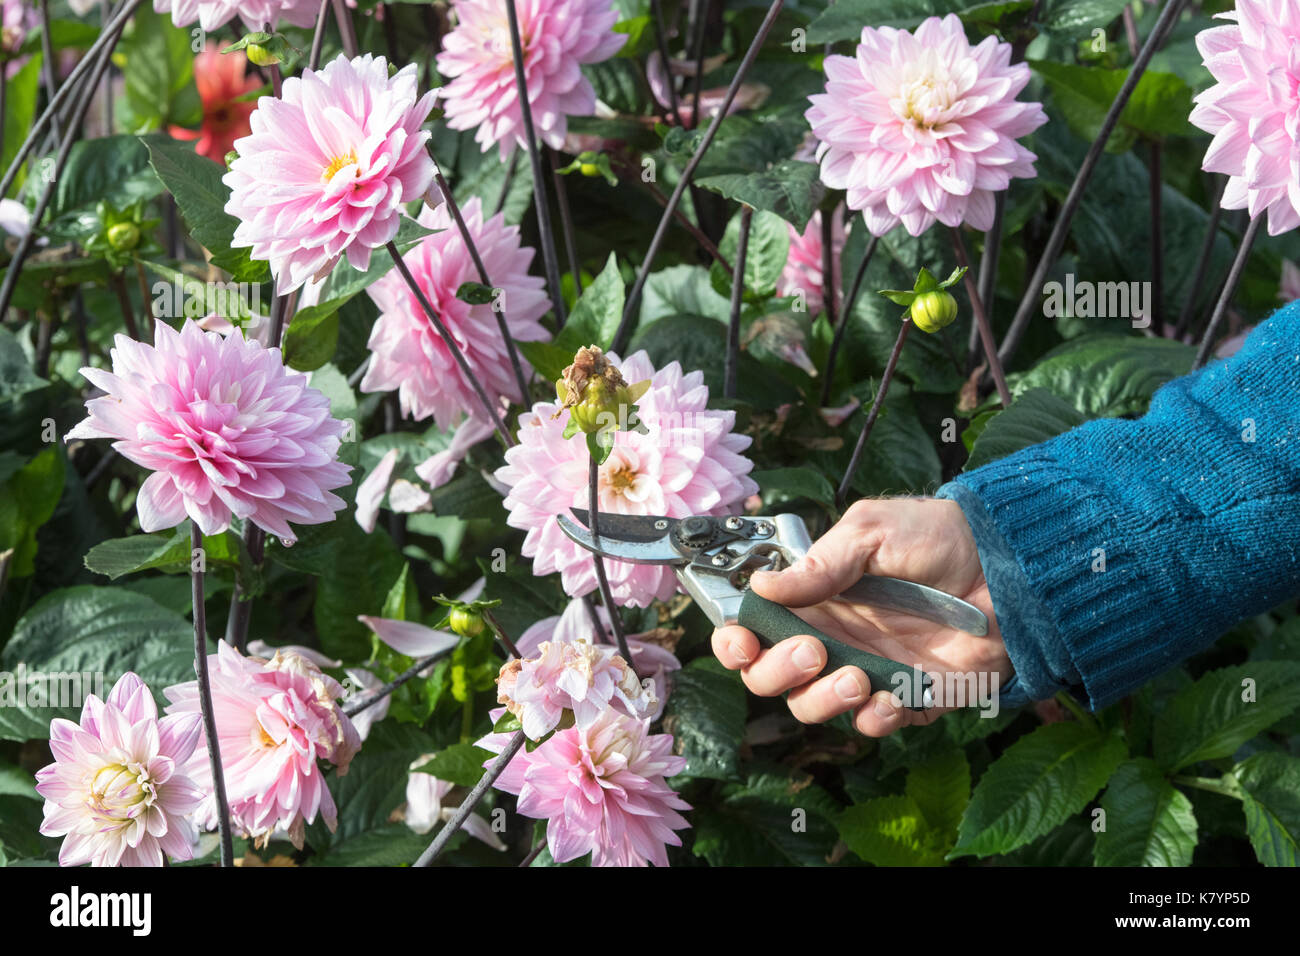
(637, 539)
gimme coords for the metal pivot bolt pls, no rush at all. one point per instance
(695, 533)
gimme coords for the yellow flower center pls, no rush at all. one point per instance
(120, 792)
(337, 163)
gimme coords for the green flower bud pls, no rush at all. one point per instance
(260, 55)
(124, 236)
(590, 169)
(231, 157)
(932, 311)
(467, 622)
(595, 394)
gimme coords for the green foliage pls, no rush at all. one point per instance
(1148, 822)
(706, 716)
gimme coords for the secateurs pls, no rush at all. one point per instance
(714, 556)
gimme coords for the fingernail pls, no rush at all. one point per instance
(738, 652)
(887, 706)
(805, 657)
(848, 688)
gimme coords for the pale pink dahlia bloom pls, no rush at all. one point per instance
(1253, 109)
(328, 166)
(225, 428)
(275, 719)
(408, 353)
(211, 14)
(689, 462)
(117, 791)
(803, 268)
(558, 37)
(601, 790)
(425, 809)
(923, 127)
(650, 658)
(577, 676)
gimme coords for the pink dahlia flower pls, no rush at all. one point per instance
(225, 428)
(275, 720)
(602, 790)
(688, 462)
(328, 167)
(923, 127)
(803, 268)
(211, 14)
(408, 353)
(1253, 109)
(580, 677)
(117, 791)
(650, 657)
(558, 37)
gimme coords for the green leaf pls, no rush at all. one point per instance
(1038, 782)
(16, 782)
(159, 74)
(16, 375)
(892, 831)
(201, 196)
(1036, 415)
(1075, 17)
(596, 315)
(845, 19)
(392, 845)
(1107, 376)
(771, 819)
(168, 551)
(1148, 822)
(375, 784)
(1209, 719)
(27, 500)
(97, 631)
(20, 111)
(475, 293)
(507, 723)
(779, 485)
(789, 188)
(765, 255)
(1270, 791)
(706, 716)
(941, 788)
(312, 337)
(461, 764)
(547, 359)
(344, 282)
(1158, 107)
(112, 169)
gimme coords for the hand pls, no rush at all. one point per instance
(925, 540)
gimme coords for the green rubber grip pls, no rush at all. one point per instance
(772, 622)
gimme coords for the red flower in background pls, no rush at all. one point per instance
(221, 82)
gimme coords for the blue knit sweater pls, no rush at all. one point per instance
(1199, 525)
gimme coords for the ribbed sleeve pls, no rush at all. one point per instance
(1195, 508)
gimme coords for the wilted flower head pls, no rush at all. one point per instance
(577, 676)
(222, 84)
(408, 353)
(275, 719)
(328, 166)
(117, 791)
(687, 462)
(558, 37)
(652, 654)
(211, 14)
(227, 430)
(923, 127)
(1253, 109)
(601, 790)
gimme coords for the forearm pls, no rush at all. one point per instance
(1116, 550)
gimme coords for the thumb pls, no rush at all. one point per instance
(836, 560)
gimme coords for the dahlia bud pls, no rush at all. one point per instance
(467, 622)
(589, 169)
(932, 311)
(595, 393)
(260, 55)
(124, 236)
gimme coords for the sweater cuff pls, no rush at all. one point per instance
(1037, 653)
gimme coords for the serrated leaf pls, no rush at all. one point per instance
(1038, 782)
(771, 819)
(1270, 785)
(779, 485)
(312, 337)
(165, 551)
(766, 254)
(892, 831)
(789, 188)
(1107, 376)
(1148, 821)
(1075, 17)
(391, 845)
(475, 293)
(941, 788)
(596, 315)
(1158, 106)
(706, 716)
(375, 784)
(16, 375)
(28, 498)
(1035, 416)
(1209, 719)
